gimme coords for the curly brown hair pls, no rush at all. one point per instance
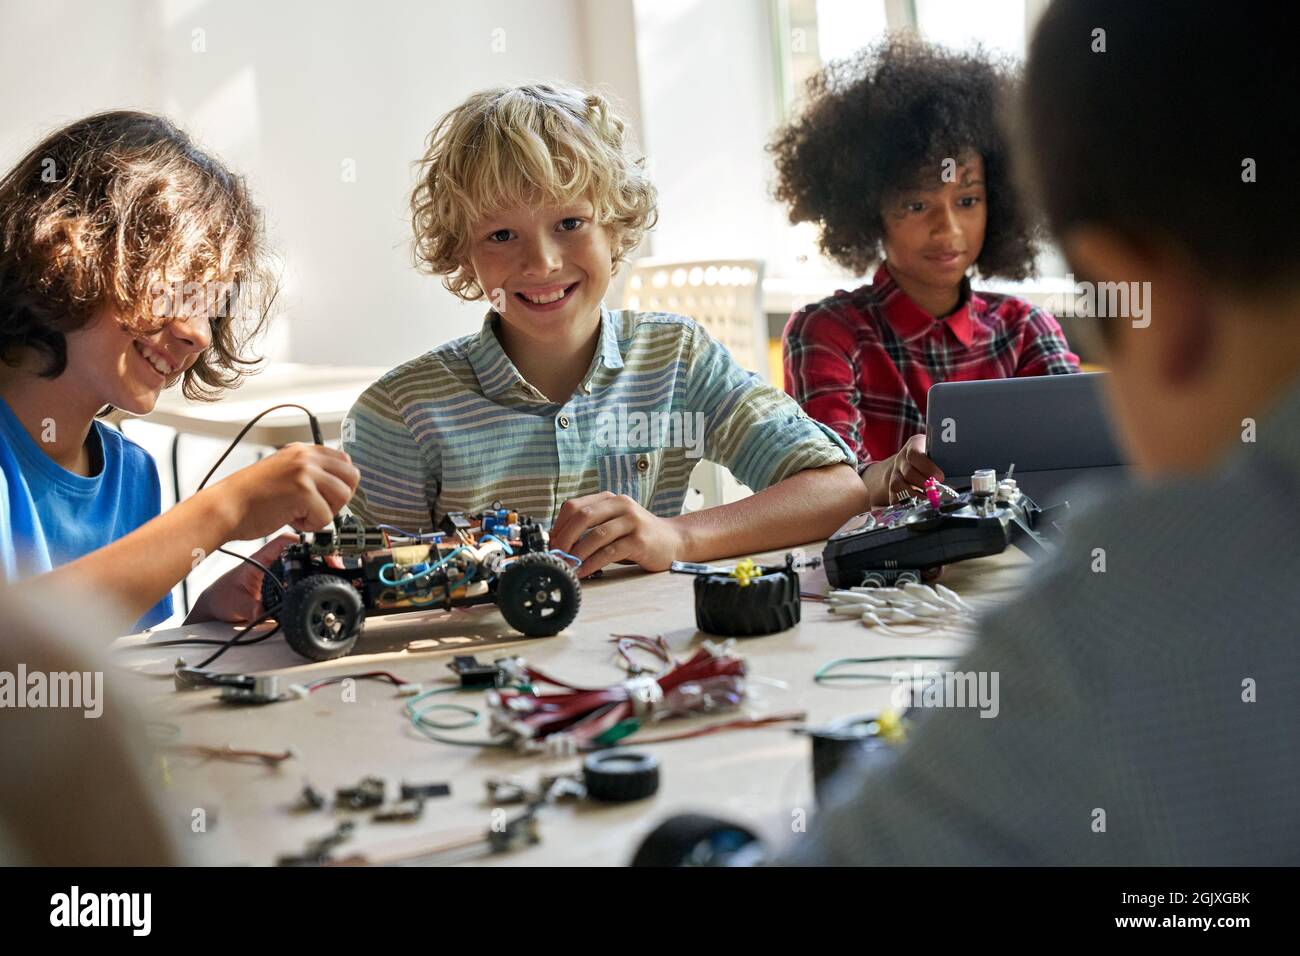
(103, 211)
(874, 122)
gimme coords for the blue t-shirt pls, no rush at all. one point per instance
(50, 516)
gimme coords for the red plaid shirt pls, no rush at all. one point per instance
(863, 362)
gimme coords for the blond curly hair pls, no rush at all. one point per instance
(507, 147)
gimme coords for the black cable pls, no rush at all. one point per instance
(311, 420)
(316, 437)
(259, 565)
(225, 645)
(235, 642)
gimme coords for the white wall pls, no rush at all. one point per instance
(286, 92)
(709, 94)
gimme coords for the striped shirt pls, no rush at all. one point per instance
(459, 428)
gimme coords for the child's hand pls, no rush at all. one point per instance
(902, 473)
(303, 486)
(604, 528)
(236, 596)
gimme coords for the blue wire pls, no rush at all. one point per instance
(565, 554)
(408, 534)
(449, 589)
(415, 577)
(492, 537)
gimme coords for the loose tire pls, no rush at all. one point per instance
(272, 595)
(538, 594)
(321, 617)
(620, 776)
(769, 603)
(691, 839)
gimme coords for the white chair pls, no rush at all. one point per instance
(726, 297)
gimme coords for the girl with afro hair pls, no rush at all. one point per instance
(900, 160)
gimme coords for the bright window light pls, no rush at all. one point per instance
(959, 24)
(846, 26)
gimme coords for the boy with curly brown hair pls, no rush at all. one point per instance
(130, 261)
(899, 158)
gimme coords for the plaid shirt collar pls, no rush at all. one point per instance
(499, 379)
(912, 322)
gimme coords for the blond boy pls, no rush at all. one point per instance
(528, 198)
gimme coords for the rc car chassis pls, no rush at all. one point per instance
(330, 580)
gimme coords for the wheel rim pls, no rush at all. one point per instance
(541, 596)
(329, 620)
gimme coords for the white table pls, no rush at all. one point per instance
(757, 777)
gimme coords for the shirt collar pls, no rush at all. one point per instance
(498, 376)
(911, 321)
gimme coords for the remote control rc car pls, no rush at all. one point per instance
(905, 542)
(332, 579)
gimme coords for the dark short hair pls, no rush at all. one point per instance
(875, 122)
(104, 210)
(1151, 137)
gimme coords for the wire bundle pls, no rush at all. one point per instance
(585, 718)
(909, 603)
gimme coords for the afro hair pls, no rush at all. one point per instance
(875, 122)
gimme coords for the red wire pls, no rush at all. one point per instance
(744, 723)
(378, 675)
(586, 713)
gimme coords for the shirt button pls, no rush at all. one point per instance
(643, 464)
(563, 421)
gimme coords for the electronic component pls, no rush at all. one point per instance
(866, 739)
(551, 788)
(903, 542)
(317, 851)
(515, 835)
(425, 791)
(472, 673)
(310, 799)
(365, 795)
(235, 688)
(404, 811)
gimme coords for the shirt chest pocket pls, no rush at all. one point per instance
(634, 474)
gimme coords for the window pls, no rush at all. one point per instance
(812, 33)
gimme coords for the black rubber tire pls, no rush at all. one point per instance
(529, 576)
(272, 595)
(691, 839)
(304, 617)
(768, 604)
(620, 776)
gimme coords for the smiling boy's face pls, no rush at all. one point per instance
(112, 366)
(544, 269)
(934, 232)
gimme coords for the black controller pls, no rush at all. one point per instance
(902, 542)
